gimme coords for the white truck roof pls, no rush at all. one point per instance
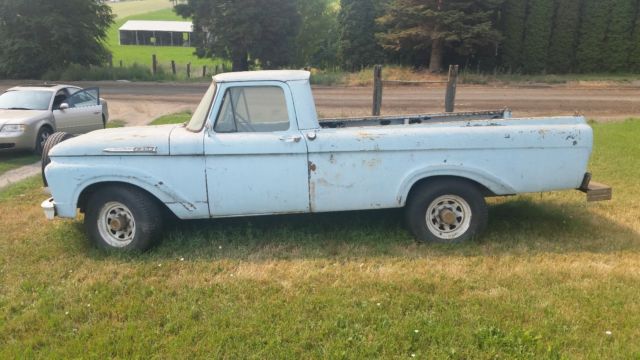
(264, 75)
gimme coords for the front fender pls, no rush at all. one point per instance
(68, 182)
(484, 178)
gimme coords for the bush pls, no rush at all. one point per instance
(75, 72)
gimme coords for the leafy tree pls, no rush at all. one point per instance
(619, 35)
(257, 31)
(317, 42)
(536, 35)
(513, 15)
(39, 35)
(590, 54)
(358, 45)
(564, 36)
(461, 25)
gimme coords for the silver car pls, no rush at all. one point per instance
(29, 114)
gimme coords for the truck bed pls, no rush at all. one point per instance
(414, 119)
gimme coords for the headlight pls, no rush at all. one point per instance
(11, 128)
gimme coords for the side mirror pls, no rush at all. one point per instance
(64, 106)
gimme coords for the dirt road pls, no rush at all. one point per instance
(139, 103)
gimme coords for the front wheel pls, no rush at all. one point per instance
(123, 219)
(446, 211)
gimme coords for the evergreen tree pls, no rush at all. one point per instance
(536, 35)
(40, 35)
(634, 56)
(461, 25)
(357, 21)
(258, 31)
(564, 36)
(618, 43)
(590, 54)
(513, 16)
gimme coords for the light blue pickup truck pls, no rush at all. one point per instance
(255, 146)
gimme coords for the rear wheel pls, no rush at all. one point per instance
(446, 211)
(51, 141)
(123, 219)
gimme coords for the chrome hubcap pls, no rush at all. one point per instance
(116, 224)
(448, 217)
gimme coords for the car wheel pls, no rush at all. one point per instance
(41, 138)
(446, 211)
(123, 219)
(52, 141)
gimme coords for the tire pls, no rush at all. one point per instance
(446, 211)
(123, 219)
(52, 141)
(41, 139)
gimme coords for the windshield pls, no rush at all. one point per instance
(200, 115)
(25, 100)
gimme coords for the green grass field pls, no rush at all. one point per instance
(125, 9)
(553, 277)
(176, 118)
(133, 54)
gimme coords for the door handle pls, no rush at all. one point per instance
(291, 139)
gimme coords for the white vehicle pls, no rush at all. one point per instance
(29, 114)
(254, 146)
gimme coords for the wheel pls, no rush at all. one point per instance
(41, 138)
(446, 211)
(123, 218)
(52, 141)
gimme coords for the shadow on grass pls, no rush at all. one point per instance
(516, 226)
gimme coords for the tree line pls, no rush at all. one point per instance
(519, 36)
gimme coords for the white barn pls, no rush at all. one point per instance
(156, 33)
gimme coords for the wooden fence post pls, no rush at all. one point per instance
(173, 67)
(452, 84)
(189, 71)
(121, 64)
(204, 70)
(110, 59)
(154, 65)
(215, 72)
(377, 90)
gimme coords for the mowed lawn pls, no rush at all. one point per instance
(553, 277)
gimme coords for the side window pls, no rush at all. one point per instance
(253, 109)
(60, 97)
(84, 98)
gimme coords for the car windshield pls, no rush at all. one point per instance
(200, 115)
(25, 100)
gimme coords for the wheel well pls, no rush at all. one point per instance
(91, 189)
(424, 182)
(45, 125)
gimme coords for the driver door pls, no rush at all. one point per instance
(256, 158)
(84, 113)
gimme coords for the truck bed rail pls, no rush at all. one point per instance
(414, 119)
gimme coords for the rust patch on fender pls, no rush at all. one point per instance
(312, 166)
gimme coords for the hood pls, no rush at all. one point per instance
(21, 116)
(127, 141)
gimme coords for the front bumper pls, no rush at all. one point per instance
(49, 208)
(21, 141)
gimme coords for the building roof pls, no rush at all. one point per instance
(264, 75)
(167, 26)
